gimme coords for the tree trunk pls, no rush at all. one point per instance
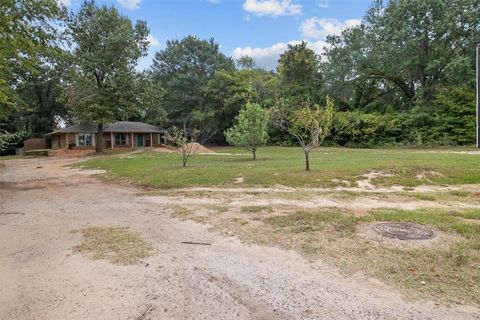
(99, 140)
(254, 152)
(184, 160)
(307, 161)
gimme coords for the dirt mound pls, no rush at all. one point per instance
(198, 148)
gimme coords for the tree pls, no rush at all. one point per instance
(151, 101)
(28, 28)
(225, 94)
(107, 49)
(40, 102)
(6, 138)
(373, 63)
(250, 130)
(299, 70)
(184, 69)
(246, 62)
(186, 140)
(309, 125)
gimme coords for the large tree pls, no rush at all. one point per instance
(28, 31)
(404, 52)
(28, 28)
(107, 48)
(184, 69)
(299, 70)
(40, 99)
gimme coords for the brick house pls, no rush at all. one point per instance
(122, 134)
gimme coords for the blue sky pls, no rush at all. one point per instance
(258, 28)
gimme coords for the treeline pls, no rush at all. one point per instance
(406, 76)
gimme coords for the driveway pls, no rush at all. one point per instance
(42, 202)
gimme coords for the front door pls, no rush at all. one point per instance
(140, 140)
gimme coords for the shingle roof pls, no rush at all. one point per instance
(129, 126)
(83, 127)
(120, 126)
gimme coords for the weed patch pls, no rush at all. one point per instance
(118, 245)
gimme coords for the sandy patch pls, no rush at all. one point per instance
(428, 174)
(239, 180)
(366, 182)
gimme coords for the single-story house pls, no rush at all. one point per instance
(122, 134)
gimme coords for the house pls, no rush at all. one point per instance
(122, 134)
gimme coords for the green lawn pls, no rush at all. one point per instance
(284, 166)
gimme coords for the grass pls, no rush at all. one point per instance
(284, 166)
(256, 209)
(449, 270)
(119, 245)
(12, 157)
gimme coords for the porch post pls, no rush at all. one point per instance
(151, 140)
(111, 140)
(66, 140)
(131, 142)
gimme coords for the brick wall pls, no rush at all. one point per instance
(35, 144)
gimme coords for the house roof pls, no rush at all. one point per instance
(129, 126)
(120, 126)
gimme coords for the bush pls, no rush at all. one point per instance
(358, 129)
(457, 113)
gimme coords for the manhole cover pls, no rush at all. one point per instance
(404, 231)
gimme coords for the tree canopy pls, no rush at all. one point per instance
(250, 129)
(108, 47)
(404, 76)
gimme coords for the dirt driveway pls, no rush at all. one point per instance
(42, 202)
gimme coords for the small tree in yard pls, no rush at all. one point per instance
(250, 130)
(309, 125)
(186, 141)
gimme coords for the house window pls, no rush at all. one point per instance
(120, 139)
(84, 139)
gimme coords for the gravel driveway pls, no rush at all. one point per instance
(42, 202)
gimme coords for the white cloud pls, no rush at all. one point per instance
(214, 1)
(66, 3)
(153, 41)
(267, 58)
(130, 4)
(272, 8)
(317, 28)
(323, 3)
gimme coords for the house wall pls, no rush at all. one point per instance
(59, 141)
(149, 140)
(35, 144)
(112, 135)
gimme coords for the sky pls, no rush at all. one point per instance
(260, 29)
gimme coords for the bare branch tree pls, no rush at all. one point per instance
(185, 141)
(309, 125)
